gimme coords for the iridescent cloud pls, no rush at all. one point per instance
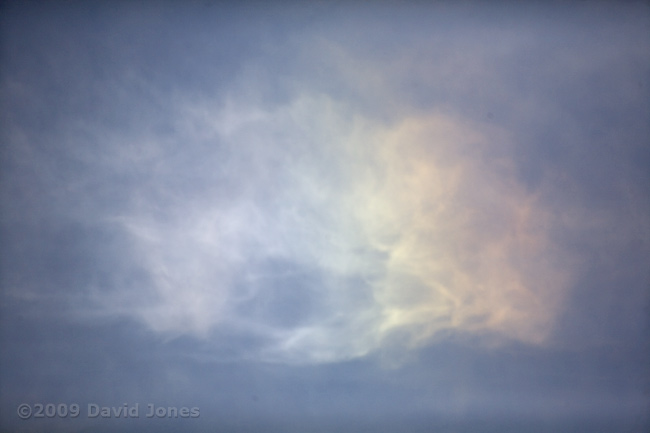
(328, 235)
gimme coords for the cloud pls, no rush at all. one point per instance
(327, 235)
(337, 197)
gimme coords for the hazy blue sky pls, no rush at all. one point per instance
(327, 217)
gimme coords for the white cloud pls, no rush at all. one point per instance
(402, 230)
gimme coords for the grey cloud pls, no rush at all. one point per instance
(223, 151)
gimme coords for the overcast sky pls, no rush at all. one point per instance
(327, 217)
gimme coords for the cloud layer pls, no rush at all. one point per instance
(327, 235)
(317, 192)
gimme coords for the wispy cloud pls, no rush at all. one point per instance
(340, 196)
(330, 235)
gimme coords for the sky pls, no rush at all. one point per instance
(326, 216)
